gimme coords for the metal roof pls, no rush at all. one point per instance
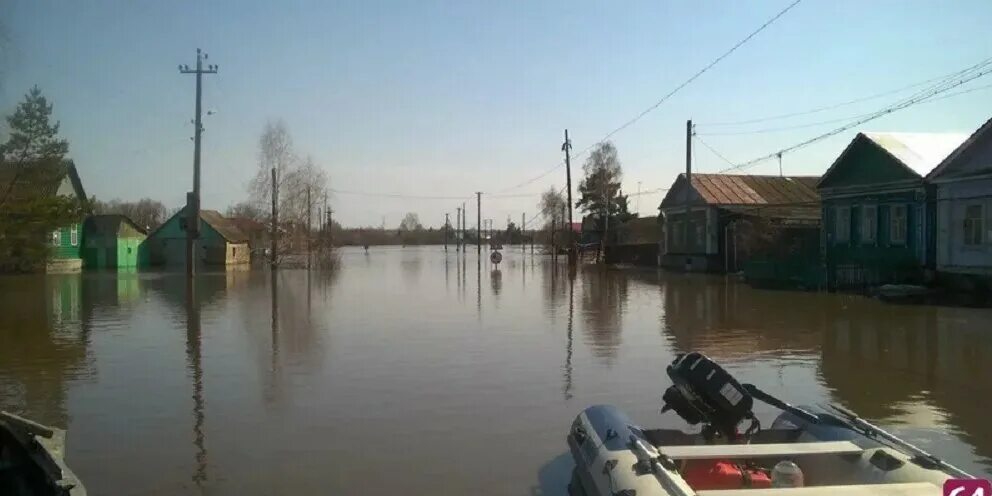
(727, 189)
(948, 165)
(921, 152)
(227, 229)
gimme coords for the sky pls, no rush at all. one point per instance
(446, 98)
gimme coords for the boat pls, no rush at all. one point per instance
(806, 451)
(32, 460)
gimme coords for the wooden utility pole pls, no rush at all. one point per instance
(309, 222)
(458, 225)
(193, 204)
(554, 250)
(567, 147)
(464, 224)
(523, 224)
(478, 221)
(688, 188)
(273, 241)
(447, 224)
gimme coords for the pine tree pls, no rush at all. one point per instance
(33, 137)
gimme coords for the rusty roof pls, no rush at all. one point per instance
(728, 189)
(227, 229)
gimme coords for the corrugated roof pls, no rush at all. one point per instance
(223, 226)
(921, 152)
(727, 189)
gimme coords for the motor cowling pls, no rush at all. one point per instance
(703, 392)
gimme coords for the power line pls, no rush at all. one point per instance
(702, 71)
(666, 97)
(395, 195)
(713, 151)
(966, 75)
(827, 107)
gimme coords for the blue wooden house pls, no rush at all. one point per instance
(876, 220)
(962, 194)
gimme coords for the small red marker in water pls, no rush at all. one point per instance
(967, 487)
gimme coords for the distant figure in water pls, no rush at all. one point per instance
(366, 248)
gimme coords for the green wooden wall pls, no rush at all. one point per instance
(66, 249)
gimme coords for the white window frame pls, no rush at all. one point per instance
(976, 225)
(895, 227)
(74, 235)
(57, 237)
(869, 236)
(842, 236)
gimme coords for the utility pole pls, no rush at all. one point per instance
(447, 222)
(567, 147)
(779, 155)
(193, 204)
(309, 223)
(464, 224)
(688, 187)
(523, 224)
(458, 225)
(478, 222)
(275, 219)
(330, 227)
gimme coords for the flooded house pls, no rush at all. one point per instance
(961, 186)
(721, 222)
(113, 241)
(221, 243)
(39, 180)
(874, 208)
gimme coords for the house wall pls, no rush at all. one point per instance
(860, 260)
(702, 252)
(167, 247)
(953, 256)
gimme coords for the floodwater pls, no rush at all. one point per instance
(412, 371)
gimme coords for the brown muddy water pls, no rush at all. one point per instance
(412, 371)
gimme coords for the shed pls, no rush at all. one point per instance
(113, 241)
(875, 210)
(962, 188)
(716, 223)
(221, 243)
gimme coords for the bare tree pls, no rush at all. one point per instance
(145, 212)
(246, 210)
(411, 222)
(275, 151)
(552, 206)
(307, 176)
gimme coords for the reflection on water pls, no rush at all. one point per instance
(260, 383)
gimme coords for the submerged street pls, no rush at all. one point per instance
(415, 371)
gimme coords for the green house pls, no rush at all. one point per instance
(221, 243)
(50, 179)
(112, 242)
(876, 218)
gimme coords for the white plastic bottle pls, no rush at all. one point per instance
(787, 474)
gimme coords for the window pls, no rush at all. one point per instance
(73, 235)
(677, 234)
(897, 224)
(700, 241)
(869, 224)
(56, 239)
(974, 222)
(842, 225)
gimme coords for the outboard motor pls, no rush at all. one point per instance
(703, 392)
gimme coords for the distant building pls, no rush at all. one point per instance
(113, 241)
(733, 218)
(962, 188)
(221, 243)
(50, 180)
(874, 207)
(637, 242)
